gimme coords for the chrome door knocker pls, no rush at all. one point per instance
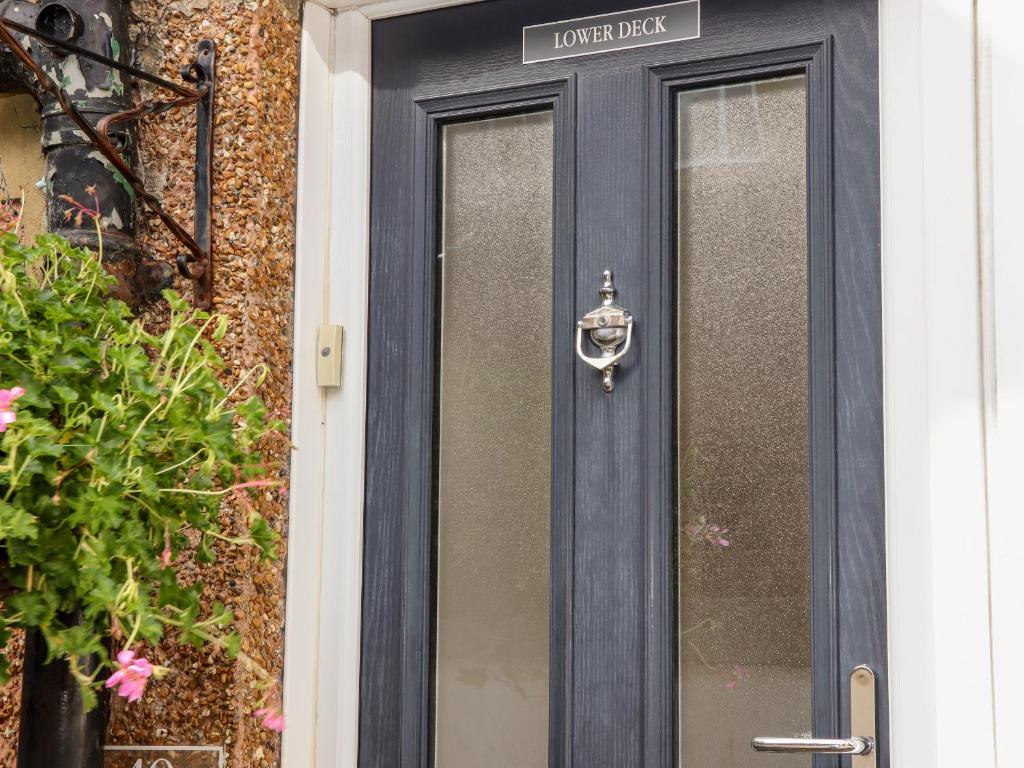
(610, 326)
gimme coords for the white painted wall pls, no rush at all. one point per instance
(953, 272)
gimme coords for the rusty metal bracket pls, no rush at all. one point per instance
(197, 264)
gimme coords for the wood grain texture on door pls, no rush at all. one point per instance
(613, 672)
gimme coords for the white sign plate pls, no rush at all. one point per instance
(164, 757)
(654, 25)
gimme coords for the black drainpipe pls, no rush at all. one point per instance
(55, 730)
(72, 162)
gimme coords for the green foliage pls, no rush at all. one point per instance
(125, 442)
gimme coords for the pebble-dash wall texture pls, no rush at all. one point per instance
(207, 700)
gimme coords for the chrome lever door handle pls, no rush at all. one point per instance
(609, 326)
(862, 722)
(852, 746)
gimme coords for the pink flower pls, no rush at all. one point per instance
(271, 717)
(131, 676)
(739, 673)
(703, 531)
(7, 398)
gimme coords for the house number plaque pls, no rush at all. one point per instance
(163, 757)
(653, 25)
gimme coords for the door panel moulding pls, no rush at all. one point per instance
(323, 607)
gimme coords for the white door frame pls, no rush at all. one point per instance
(935, 377)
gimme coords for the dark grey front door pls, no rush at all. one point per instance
(648, 577)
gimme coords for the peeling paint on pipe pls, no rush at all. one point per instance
(73, 163)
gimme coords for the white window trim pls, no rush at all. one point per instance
(939, 629)
(940, 645)
(1001, 162)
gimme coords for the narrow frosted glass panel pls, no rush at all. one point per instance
(743, 423)
(494, 497)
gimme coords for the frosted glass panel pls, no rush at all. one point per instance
(494, 498)
(743, 421)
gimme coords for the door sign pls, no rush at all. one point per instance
(612, 32)
(164, 757)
